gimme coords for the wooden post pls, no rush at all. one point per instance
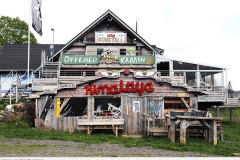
(205, 133)
(70, 127)
(37, 122)
(210, 132)
(88, 130)
(148, 127)
(183, 128)
(213, 124)
(172, 130)
(218, 114)
(58, 107)
(145, 124)
(230, 114)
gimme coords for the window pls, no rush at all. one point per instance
(122, 52)
(107, 106)
(136, 106)
(73, 106)
(99, 51)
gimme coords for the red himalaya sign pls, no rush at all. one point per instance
(130, 87)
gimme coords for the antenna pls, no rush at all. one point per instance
(136, 26)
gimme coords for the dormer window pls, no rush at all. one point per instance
(122, 52)
(99, 51)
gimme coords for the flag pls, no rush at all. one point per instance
(37, 16)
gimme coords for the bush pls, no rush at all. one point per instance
(23, 112)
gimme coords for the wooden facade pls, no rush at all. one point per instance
(109, 77)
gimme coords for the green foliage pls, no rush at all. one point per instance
(3, 104)
(14, 31)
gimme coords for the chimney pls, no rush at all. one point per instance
(51, 49)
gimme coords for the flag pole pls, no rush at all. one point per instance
(29, 21)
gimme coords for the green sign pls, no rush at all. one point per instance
(145, 60)
(77, 59)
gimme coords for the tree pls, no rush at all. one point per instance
(14, 31)
(230, 88)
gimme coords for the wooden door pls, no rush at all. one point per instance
(134, 107)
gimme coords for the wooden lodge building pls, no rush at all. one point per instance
(109, 77)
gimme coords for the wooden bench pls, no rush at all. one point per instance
(114, 124)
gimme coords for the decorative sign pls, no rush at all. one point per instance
(70, 85)
(108, 74)
(50, 91)
(79, 59)
(130, 50)
(163, 80)
(136, 106)
(144, 74)
(109, 56)
(145, 60)
(110, 37)
(130, 87)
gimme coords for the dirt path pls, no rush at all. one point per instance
(15, 147)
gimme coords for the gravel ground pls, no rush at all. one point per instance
(15, 147)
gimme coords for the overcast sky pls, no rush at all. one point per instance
(202, 31)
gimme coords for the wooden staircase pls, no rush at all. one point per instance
(233, 102)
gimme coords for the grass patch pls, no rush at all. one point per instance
(230, 145)
(21, 148)
(227, 148)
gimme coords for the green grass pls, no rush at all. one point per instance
(227, 148)
(230, 145)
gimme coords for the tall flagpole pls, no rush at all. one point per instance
(29, 21)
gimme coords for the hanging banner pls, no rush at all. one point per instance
(110, 37)
(144, 60)
(78, 59)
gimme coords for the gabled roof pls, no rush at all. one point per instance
(100, 19)
(15, 56)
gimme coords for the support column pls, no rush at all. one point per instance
(116, 130)
(183, 129)
(210, 132)
(213, 124)
(172, 130)
(218, 112)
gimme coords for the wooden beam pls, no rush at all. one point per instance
(58, 107)
(64, 103)
(183, 95)
(213, 125)
(189, 123)
(205, 124)
(82, 122)
(186, 104)
(172, 130)
(183, 129)
(175, 101)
